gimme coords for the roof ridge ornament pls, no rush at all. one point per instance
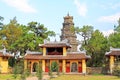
(4, 51)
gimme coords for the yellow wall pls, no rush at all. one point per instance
(64, 51)
(4, 65)
(111, 63)
(83, 66)
(44, 51)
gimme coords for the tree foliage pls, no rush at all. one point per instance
(85, 32)
(96, 47)
(117, 28)
(39, 30)
(114, 39)
(16, 37)
(94, 43)
(10, 33)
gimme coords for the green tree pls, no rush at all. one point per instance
(16, 37)
(10, 33)
(96, 48)
(114, 40)
(85, 32)
(115, 37)
(39, 30)
(33, 35)
(117, 28)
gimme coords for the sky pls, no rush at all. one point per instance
(101, 14)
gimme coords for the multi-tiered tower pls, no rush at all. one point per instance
(68, 33)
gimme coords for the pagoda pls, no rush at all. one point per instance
(67, 33)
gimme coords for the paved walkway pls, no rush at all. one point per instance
(45, 77)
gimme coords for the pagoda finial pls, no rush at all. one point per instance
(68, 14)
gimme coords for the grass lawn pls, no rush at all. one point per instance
(87, 77)
(8, 77)
(67, 77)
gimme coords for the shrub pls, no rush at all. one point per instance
(57, 67)
(116, 70)
(50, 72)
(39, 72)
(15, 72)
(27, 72)
(23, 76)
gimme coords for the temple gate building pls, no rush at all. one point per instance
(64, 53)
(114, 58)
(57, 52)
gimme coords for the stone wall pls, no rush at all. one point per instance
(94, 70)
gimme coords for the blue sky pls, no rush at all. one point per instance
(101, 14)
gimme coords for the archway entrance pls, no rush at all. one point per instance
(74, 67)
(34, 69)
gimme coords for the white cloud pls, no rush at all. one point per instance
(82, 8)
(21, 5)
(109, 6)
(111, 19)
(107, 33)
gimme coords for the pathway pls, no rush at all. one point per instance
(45, 77)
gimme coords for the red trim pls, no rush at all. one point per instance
(80, 69)
(46, 69)
(60, 68)
(67, 69)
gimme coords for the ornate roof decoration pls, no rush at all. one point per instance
(4, 53)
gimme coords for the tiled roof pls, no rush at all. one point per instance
(113, 53)
(55, 44)
(69, 56)
(33, 56)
